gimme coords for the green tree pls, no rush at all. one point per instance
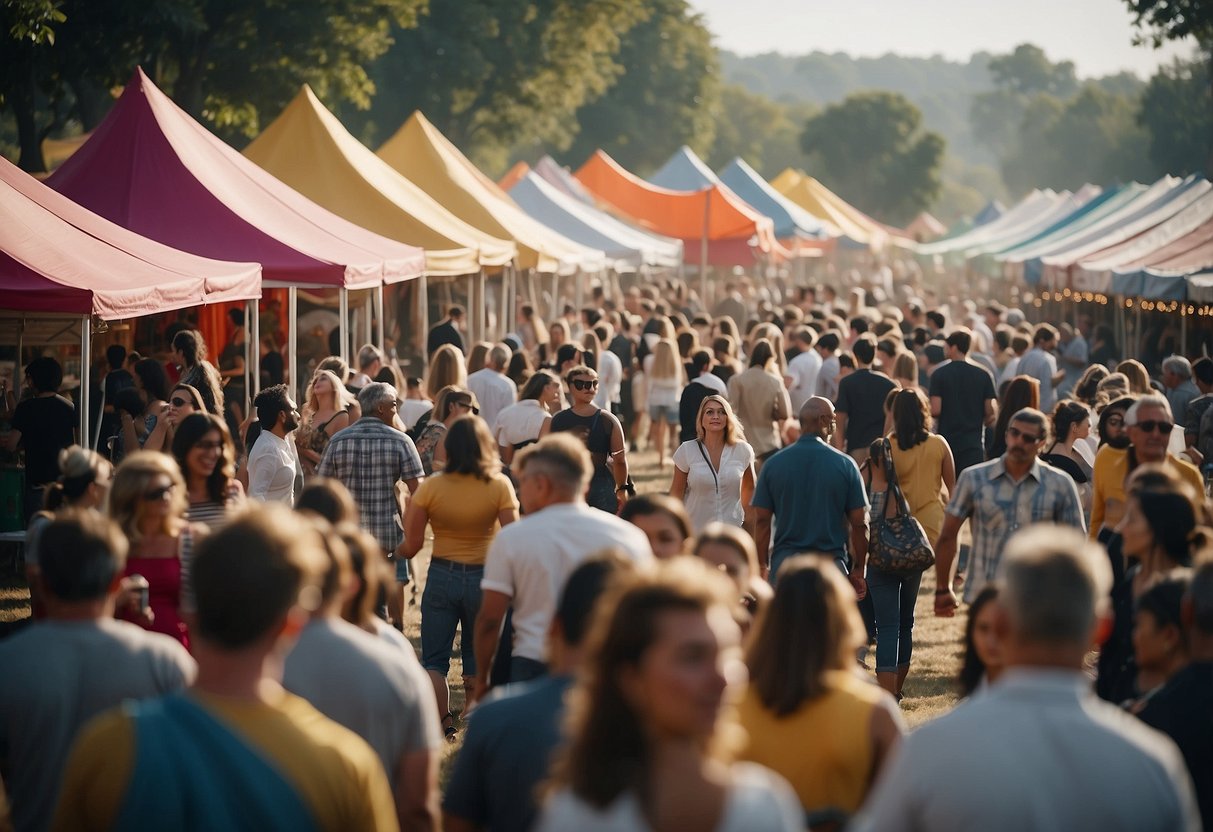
(1177, 112)
(494, 73)
(1164, 20)
(1028, 70)
(873, 150)
(664, 98)
(765, 133)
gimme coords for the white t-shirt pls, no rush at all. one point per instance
(521, 422)
(759, 800)
(610, 379)
(714, 496)
(530, 560)
(413, 409)
(494, 391)
(662, 392)
(803, 370)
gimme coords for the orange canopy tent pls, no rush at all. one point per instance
(735, 234)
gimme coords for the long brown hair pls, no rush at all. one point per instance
(608, 752)
(911, 418)
(810, 627)
(470, 448)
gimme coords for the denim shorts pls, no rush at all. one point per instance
(664, 413)
(451, 600)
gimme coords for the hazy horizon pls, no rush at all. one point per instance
(1095, 34)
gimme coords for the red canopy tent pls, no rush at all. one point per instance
(60, 259)
(153, 169)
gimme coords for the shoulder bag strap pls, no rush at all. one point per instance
(890, 472)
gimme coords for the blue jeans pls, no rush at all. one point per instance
(451, 599)
(893, 598)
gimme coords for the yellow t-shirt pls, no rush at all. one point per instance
(824, 749)
(463, 511)
(334, 771)
(920, 475)
(1111, 469)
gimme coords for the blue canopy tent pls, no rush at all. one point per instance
(791, 221)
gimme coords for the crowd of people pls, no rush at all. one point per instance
(218, 598)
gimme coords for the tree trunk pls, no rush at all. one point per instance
(23, 100)
(92, 102)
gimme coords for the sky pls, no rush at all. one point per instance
(1097, 35)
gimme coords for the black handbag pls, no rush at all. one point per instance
(897, 544)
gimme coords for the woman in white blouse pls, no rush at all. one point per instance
(529, 419)
(714, 473)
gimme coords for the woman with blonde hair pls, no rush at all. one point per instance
(466, 506)
(714, 472)
(326, 410)
(1135, 372)
(452, 402)
(647, 720)
(664, 381)
(905, 370)
(447, 367)
(148, 501)
(805, 693)
(83, 481)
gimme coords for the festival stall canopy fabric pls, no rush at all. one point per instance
(310, 150)
(151, 168)
(629, 247)
(821, 202)
(791, 221)
(734, 231)
(428, 159)
(555, 174)
(925, 227)
(992, 211)
(57, 257)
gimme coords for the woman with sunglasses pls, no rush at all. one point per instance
(714, 473)
(83, 480)
(451, 403)
(147, 500)
(603, 437)
(204, 452)
(182, 401)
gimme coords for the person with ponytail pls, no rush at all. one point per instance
(189, 350)
(82, 484)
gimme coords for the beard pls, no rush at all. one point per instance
(1118, 442)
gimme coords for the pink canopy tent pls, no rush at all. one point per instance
(153, 169)
(60, 259)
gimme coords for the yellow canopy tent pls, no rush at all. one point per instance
(310, 150)
(823, 203)
(426, 157)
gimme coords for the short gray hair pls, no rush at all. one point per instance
(560, 457)
(1055, 583)
(368, 355)
(1148, 400)
(375, 394)
(1178, 365)
(499, 356)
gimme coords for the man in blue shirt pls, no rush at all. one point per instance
(507, 751)
(815, 494)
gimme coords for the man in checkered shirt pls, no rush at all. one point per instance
(369, 458)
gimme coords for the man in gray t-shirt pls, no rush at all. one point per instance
(62, 671)
(377, 690)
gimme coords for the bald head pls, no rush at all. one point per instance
(817, 416)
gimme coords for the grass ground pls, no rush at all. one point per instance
(930, 688)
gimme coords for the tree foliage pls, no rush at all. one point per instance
(1177, 112)
(1164, 20)
(664, 99)
(873, 150)
(765, 133)
(492, 73)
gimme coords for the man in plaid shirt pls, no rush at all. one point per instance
(369, 458)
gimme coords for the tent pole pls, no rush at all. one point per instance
(579, 278)
(18, 374)
(554, 312)
(422, 317)
(292, 340)
(86, 359)
(378, 314)
(252, 349)
(1183, 329)
(482, 305)
(343, 324)
(368, 330)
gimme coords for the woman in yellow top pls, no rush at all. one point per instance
(924, 467)
(810, 717)
(465, 506)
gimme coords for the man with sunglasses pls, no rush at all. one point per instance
(1000, 497)
(1149, 424)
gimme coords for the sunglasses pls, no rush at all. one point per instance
(208, 446)
(1150, 425)
(158, 493)
(177, 401)
(579, 384)
(1030, 438)
(469, 406)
